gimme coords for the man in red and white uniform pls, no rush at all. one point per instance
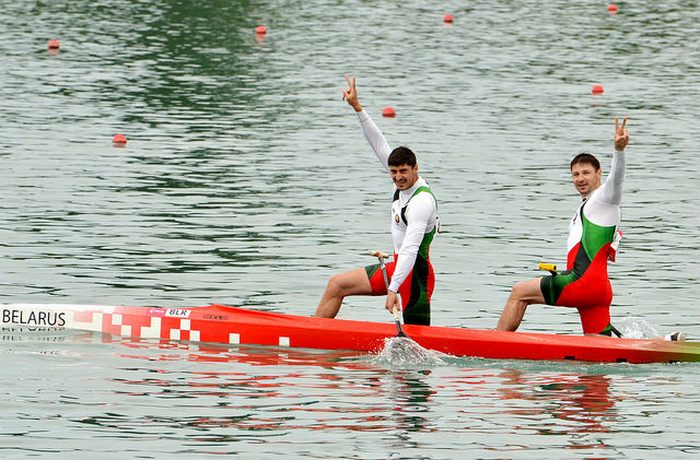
(413, 226)
(592, 232)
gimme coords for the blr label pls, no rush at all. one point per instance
(34, 318)
(178, 313)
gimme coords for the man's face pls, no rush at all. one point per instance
(404, 176)
(585, 177)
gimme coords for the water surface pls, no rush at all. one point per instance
(246, 181)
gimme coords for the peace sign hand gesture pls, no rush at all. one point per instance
(350, 94)
(622, 137)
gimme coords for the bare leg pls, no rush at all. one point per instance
(354, 282)
(522, 295)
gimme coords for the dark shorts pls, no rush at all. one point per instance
(591, 294)
(415, 292)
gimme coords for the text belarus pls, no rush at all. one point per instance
(34, 317)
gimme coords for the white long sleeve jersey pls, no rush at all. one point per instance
(420, 210)
(598, 216)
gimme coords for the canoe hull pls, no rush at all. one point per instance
(230, 325)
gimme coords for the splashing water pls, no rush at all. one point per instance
(404, 352)
(636, 328)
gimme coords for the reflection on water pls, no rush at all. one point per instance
(218, 398)
(252, 393)
(178, 393)
(577, 405)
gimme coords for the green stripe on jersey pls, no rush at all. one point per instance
(428, 237)
(595, 236)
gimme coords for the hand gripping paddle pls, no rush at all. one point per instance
(381, 256)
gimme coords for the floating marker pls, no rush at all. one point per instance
(612, 8)
(54, 44)
(389, 112)
(119, 139)
(261, 30)
(448, 18)
(597, 89)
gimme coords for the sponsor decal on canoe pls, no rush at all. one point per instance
(34, 317)
(178, 312)
(215, 317)
(156, 311)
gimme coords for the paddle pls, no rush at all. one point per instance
(615, 331)
(381, 256)
(402, 350)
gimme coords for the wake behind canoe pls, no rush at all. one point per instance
(231, 325)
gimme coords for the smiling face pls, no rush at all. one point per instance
(585, 177)
(404, 176)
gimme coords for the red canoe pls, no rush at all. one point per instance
(231, 325)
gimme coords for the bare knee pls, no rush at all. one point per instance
(519, 291)
(339, 285)
(336, 286)
(350, 283)
(528, 292)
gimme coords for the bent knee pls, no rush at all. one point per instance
(351, 283)
(335, 284)
(519, 290)
(528, 291)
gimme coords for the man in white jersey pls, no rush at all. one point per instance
(585, 284)
(413, 225)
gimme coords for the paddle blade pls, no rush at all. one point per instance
(399, 330)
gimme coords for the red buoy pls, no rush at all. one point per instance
(612, 8)
(119, 139)
(448, 18)
(261, 30)
(54, 44)
(597, 89)
(389, 112)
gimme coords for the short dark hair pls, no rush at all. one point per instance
(585, 158)
(402, 156)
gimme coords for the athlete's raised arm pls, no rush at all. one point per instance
(611, 191)
(372, 133)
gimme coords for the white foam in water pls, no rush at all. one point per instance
(636, 328)
(404, 352)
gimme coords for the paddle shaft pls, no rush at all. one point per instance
(615, 331)
(394, 313)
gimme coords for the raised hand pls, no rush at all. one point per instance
(350, 94)
(622, 137)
